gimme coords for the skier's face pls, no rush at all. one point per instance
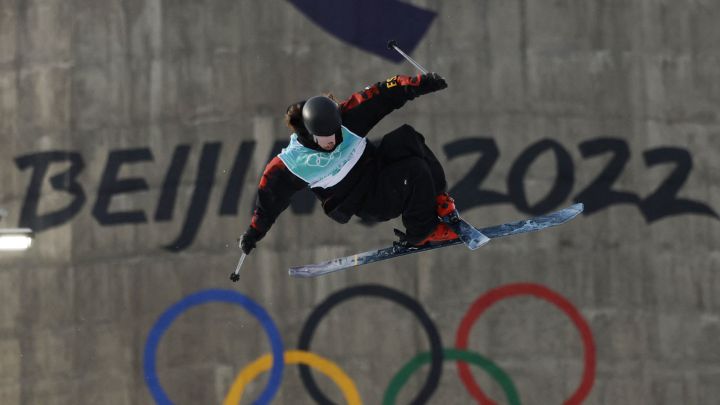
(325, 142)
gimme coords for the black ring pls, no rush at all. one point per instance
(436, 349)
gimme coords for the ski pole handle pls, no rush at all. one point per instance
(235, 276)
(392, 44)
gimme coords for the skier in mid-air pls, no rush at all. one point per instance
(329, 153)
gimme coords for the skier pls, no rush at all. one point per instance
(329, 153)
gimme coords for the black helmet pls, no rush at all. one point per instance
(321, 116)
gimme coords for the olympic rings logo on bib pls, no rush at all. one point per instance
(321, 159)
(275, 361)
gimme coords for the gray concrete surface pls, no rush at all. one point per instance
(93, 77)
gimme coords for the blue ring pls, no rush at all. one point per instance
(199, 298)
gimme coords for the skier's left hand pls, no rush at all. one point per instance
(249, 240)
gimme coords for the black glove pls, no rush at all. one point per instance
(249, 240)
(431, 82)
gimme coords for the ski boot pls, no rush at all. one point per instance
(471, 237)
(445, 209)
(441, 233)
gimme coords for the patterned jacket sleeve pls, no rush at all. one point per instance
(277, 186)
(364, 109)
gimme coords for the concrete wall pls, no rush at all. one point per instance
(181, 101)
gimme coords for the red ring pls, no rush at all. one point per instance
(491, 297)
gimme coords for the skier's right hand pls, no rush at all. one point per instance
(249, 240)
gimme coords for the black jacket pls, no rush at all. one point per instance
(360, 113)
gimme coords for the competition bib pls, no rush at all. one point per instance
(323, 169)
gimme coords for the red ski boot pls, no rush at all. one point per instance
(445, 205)
(441, 233)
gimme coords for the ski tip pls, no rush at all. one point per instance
(577, 207)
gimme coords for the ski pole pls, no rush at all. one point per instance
(392, 44)
(235, 276)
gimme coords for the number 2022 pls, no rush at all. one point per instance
(599, 194)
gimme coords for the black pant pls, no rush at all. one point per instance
(409, 179)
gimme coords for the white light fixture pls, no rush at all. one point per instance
(15, 238)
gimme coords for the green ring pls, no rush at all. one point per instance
(402, 376)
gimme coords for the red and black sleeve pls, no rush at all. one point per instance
(364, 109)
(277, 186)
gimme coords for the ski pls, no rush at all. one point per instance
(512, 228)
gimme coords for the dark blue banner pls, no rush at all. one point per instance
(369, 24)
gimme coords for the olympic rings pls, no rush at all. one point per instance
(193, 300)
(325, 366)
(491, 297)
(276, 360)
(402, 376)
(436, 352)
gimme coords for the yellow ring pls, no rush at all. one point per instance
(323, 365)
